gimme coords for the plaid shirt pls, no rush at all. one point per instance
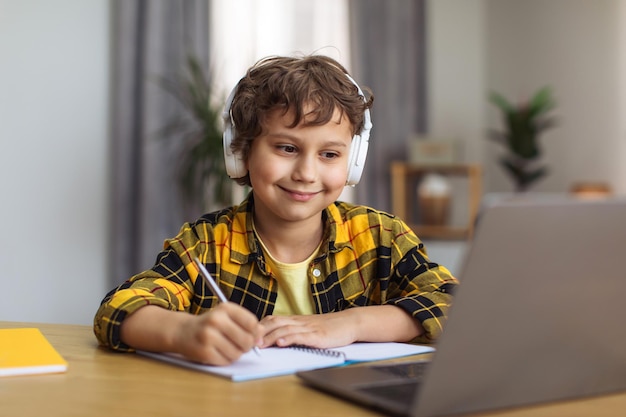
(367, 257)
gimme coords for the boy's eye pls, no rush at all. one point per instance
(330, 155)
(287, 148)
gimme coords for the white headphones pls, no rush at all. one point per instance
(235, 167)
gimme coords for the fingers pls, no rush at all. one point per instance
(286, 331)
(223, 334)
(316, 330)
(247, 332)
(211, 347)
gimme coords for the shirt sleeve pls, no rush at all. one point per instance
(167, 285)
(420, 287)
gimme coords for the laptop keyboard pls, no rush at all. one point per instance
(409, 370)
(401, 391)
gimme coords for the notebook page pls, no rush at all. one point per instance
(272, 361)
(275, 361)
(362, 351)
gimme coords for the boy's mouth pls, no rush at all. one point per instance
(300, 195)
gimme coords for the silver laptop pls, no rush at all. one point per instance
(538, 317)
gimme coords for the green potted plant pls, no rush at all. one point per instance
(200, 164)
(523, 125)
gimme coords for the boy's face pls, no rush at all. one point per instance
(297, 172)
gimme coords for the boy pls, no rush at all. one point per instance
(297, 266)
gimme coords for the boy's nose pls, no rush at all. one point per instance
(305, 169)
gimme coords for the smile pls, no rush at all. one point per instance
(300, 195)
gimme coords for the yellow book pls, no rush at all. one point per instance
(26, 352)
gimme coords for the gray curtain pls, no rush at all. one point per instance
(388, 46)
(152, 39)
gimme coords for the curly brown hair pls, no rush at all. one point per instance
(290, 84)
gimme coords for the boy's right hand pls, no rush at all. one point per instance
(219, 336)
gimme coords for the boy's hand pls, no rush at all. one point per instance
(318, 330)
(219, 336)
(385, 323)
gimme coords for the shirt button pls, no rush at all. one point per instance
(316, 272)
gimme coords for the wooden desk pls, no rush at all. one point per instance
(103, 383)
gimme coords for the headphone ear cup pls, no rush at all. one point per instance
(353, 174)
(358, 152)
(359, 145)
(235, 167)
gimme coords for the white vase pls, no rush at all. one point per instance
(434, 198)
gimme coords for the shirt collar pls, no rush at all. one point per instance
(245, 246)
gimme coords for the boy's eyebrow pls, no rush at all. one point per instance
(295, 137)
(336, 143)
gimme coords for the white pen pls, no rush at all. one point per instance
(216, 290)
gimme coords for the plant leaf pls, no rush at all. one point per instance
(541, 102)
(502, 103)
(198, 129)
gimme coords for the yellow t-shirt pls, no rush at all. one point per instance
(294, 294)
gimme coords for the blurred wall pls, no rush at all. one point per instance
(577, 47)
(53, 158)
(456, 74)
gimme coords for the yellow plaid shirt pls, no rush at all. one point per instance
(367, 257)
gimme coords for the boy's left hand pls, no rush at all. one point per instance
(382, 323)
(318, 330)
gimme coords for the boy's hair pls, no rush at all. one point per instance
(290, 83)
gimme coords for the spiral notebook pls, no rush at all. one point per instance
(275, 361)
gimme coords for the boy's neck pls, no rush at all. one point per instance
(291, 242)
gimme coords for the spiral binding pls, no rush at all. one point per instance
(318, 351)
